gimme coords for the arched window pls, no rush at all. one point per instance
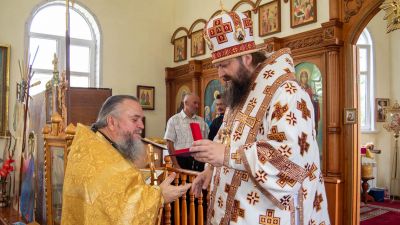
(366, 70)
(47, 31)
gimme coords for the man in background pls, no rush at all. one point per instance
(102, 183)
(216, 123)
(179, 135)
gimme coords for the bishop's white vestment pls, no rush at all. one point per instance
(271, 173)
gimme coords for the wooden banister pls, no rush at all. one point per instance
(180, 205)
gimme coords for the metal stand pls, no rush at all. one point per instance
(394, 175)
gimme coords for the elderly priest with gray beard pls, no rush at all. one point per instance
(103, 184)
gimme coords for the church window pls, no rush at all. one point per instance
(46, 32)
(366, 81)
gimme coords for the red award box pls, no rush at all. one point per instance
(196, 134)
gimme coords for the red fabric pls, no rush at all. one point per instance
(196, 132)
(382, 213)
(388, 203)
(389, 218)
(182, 152)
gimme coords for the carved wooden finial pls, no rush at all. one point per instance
(46, 129)
(71, 129)
(168, 161)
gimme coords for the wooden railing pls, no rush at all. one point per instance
(180, 207)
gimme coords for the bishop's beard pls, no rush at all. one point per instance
(237, 88)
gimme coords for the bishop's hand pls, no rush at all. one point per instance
(209, 152)
(202, 181)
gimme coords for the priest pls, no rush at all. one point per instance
(103, 184)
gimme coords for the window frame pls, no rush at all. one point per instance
(369, 73)
(94, 45)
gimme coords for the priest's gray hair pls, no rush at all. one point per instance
(109, 107)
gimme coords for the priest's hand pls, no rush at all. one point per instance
(171, 192)
(202, 181)
(209, 152)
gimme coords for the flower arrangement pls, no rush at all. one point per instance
(6, 169)
(393, 124)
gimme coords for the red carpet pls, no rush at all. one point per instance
(380, 213)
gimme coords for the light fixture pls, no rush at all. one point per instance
(393, 125)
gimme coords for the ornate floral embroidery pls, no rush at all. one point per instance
(269, 218)
(285, 201)
(291, 119)
(269, 74)
(268, 92)
(310, 171)
(285, 179)
(275, 135)
(290, 88)
(303, 143)
(302, 106)
(317, 201)
(245, 119)
(261, 176)
(253, 198)
(279, 111)
(237, 211)
(285, 150)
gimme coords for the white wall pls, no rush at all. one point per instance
(188, 11)
(135, 46)
(386, 54)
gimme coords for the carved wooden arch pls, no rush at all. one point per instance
(356, 25)
(194, 25)
(184, 29)
(355, 16)
(245, 2)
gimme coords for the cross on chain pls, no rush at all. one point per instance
(269, 218)
(237, 211)
(245, 119)
(275, 135)
(219, 30)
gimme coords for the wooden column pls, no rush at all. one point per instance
(332, 43)
(333, 167)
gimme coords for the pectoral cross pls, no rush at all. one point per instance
(225, 137)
